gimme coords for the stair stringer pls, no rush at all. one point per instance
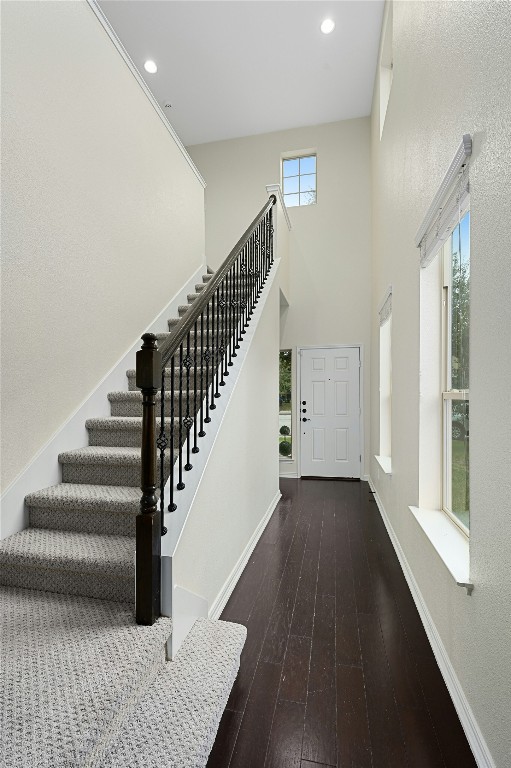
(44, 469)
(178, 579)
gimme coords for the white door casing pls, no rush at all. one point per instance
(330, 403)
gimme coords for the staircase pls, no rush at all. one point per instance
(83, 684)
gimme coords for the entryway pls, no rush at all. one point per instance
(330, 412)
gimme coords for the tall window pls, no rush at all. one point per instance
(285, 414)
(456, 375)
(299, 180)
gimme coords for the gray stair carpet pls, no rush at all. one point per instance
(72, 669)
(73, 662)
(175, 723)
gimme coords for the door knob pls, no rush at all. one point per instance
(304, 419)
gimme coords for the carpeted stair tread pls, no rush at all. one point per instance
(103, 498)
(105, 465)
(73, 668)
(105, 509)
(175, 722)
(86, 552)
(120, 422)
(99, 454)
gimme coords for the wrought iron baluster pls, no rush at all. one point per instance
(217, 342)
(214, 349)
(180, 484)
(195, 448)
(222, 349)
(202, 432)
(188, 421)
(243, 303)
(207, 357)
(162, 444)
(172, 505)
(234, 311)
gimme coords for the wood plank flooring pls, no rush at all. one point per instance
(337, 669)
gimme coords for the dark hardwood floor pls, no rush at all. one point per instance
(337, 669)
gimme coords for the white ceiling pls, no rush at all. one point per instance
(233, 68)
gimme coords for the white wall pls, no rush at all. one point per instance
(330, 242)
(102, 217)
(452, 75)
(240, 482)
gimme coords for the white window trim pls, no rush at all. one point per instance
(297, 155)
(444, 532)
(450, 543)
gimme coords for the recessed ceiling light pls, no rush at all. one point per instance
(150, 67)
(327, 26)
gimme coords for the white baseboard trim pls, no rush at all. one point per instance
(473, 733)
(223, 596)
(44, 470)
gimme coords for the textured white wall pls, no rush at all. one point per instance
(240, 481)
(330, 242)
(103, 218)
(452, 75)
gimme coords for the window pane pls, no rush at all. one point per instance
(292, 200)
(460, 469)
(308, 164)
(307, 198)
(290, 167)
(291, 185)
(460, 303)
(308, 183)
(285, 413)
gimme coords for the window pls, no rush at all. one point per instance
(455, 374)
(384, 459)
(285, 407)
(299, 180)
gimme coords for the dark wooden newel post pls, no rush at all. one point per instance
(148, 565)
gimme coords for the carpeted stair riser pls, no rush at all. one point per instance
(99, 586)
(105, 471)
(84, 521)
(74, 669)
(114, 433)
(85, 508)
(76, 564)
(130, 403)
(175, 723)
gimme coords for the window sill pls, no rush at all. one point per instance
(449, 542)
(385, 463)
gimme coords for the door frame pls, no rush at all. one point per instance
(299, 350)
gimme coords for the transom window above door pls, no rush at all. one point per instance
(299, 180)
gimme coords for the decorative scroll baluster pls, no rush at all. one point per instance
(148, 549)
(180, 485)
(207, 357)
(187, 421)
(172, 505)
(214, 350)
(223, 349)
(202, 362)
(195, 448)
(162, 444)
(218, 361)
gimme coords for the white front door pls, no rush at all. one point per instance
(330, 412)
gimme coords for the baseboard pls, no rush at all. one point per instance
(223, 596)
(44, 469)
(473, 733)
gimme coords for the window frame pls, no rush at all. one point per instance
(449, 395)
(301, 155)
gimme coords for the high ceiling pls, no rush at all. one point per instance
(232, 68)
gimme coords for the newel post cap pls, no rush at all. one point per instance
(148, 363)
